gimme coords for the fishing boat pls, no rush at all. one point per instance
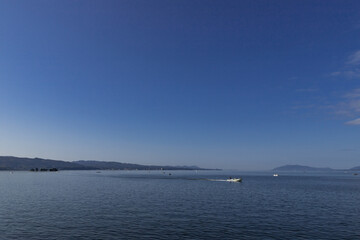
(276, 175)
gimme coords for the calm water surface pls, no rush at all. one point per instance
(153, 205)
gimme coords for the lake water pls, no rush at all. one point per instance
(153, 205)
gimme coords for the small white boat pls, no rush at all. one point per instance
(234, 180)
(275, 175)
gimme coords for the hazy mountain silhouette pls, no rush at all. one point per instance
(300, 168)
(131, 166)
(20, 163)
(16, 163)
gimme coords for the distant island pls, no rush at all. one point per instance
(300, 168)
(10, 163)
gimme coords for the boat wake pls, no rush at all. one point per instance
(226, 180)
(171, 177)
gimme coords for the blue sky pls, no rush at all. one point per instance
(246, 85)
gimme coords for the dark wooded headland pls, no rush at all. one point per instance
(17, 164)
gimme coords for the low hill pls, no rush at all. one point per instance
(16, 163)
(130, 166)
(300, 168)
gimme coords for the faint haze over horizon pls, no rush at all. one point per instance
(247, 85)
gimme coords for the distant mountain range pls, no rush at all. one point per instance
(300, 168)
(17, 163)
(131, 166)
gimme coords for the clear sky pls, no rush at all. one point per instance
(246, 85)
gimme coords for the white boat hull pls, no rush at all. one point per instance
(234, 180)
